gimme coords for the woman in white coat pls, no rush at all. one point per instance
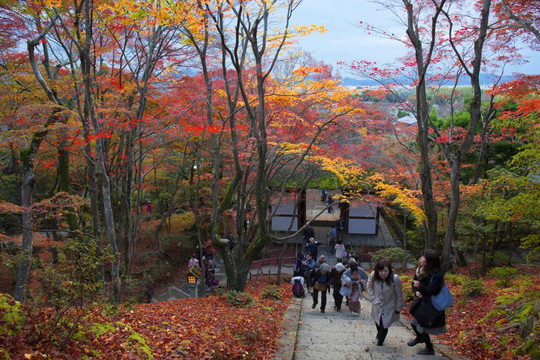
(384, 288)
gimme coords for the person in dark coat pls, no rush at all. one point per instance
(321, 276)
(300, 263)
(308, 233)
(335, 275)
(428, 281)
(308, 267)
(312, 247)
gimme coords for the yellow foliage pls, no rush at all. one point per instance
(303, 30)
(405, 198)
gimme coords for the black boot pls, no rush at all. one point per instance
(427, 351)
(429, 346)
(381, 334)
(417, 340)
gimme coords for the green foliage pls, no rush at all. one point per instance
(494, 313)
(238, 298)
(110, 309)
(531, 347)
(9, 247)
(504, 274)
(402, 113)
(415, 239)
(10, 223)
(474, 287)
(159, 272)
(164, 199)
(102, 329)
(74, 279)
(456, 279)
(4, 355)
(69, 287)
(56, 211)
(11, 316)
(271, 292)
(406, 281)
(523, 311)
(396, 255)
(141, 345)
(523, 294)
(531, 241)
(219, 291)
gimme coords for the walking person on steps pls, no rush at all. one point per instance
(384, 288)
(321, 282)
(335, 275)
(353, 282)
(428, 281)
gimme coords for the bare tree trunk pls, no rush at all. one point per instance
(108, 216)
(422, 118)
(27, 157)
(475, 115)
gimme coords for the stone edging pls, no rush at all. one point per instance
(291, 321)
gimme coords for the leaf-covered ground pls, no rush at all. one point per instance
(486, 321)
(198, 328)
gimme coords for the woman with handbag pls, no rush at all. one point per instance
(321, 282)
(428, 281)
(384, 288)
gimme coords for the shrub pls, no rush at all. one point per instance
(159, 272)
(286, 278)
(11, 316)
(456, 279)
(406, 281)
(396, 255)
(69, 287)
(9, 247)
(178, 247)
(10, 223)
(271, 292)
(474, 287)
(238, 298)
(503, 274)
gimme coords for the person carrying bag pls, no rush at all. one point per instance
(321, 282)
(428, 281)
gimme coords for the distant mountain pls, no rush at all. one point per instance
(485, 79)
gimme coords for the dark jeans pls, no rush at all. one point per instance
(338, 298)
(316, 297)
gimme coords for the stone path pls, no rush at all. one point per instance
(342, 336)
(311, 335)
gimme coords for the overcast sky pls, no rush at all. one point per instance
(343, 41)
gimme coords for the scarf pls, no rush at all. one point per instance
(420, 273)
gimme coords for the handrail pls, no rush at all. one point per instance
(273, 261)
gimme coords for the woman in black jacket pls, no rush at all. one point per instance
(428, 281)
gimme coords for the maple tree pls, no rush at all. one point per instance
(511, 195)
(247, 114)
(442, 51)
(522, 16)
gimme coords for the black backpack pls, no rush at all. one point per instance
(297, 288)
